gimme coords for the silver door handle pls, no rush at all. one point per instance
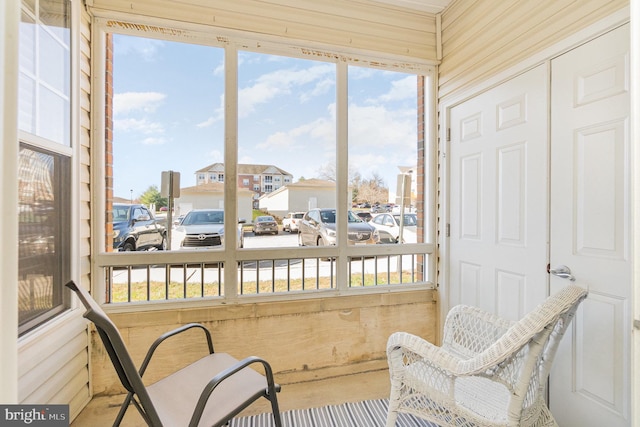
(563, 272)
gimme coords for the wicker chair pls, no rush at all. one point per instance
(488, 372)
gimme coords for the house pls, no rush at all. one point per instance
(260, 179)
(211, 196)
(300, 197)
(527, 177)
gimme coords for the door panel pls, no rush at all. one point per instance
(590, 229)
(498, 223)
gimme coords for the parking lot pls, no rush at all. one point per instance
(282, 269)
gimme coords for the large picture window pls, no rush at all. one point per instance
(317, 150)
(44, 163)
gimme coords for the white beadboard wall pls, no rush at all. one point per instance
(53, 362)
(354, 24)
(481, 38)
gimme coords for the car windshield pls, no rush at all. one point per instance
(120, 213)
(409, 219)
(354, 218)
(328, 217)
(265, 218)
(298, 215)
(212, 217)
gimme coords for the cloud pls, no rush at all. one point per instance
(215, 156)
(138, 125)
(153, 141)
(147, 49)
(130, 102)
(218, 115)
(282, 83)
(320, 132)
(401, 89)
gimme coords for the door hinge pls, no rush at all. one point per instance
(447, 230)
(448, 134)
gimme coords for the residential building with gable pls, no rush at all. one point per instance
(260, 179)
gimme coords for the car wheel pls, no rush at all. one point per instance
(300, 243)
(128, 247)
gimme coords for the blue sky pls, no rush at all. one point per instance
(168, 114)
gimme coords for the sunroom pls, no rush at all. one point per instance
(505, 129)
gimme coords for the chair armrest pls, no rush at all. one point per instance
(469, 331)
(170, 334)
(404, 348)
(227, 373)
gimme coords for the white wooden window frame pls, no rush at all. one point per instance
(232, 42)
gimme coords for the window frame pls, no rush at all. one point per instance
(64, 160)
(234, 42)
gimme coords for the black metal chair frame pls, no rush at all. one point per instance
(236, 374)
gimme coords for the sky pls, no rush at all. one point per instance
(169, 115)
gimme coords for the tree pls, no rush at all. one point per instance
(152, 196)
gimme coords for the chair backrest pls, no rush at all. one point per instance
(540, 333)
(117, 351)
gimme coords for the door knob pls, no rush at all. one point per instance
(563, 272)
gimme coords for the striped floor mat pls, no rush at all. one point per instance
(368, 413)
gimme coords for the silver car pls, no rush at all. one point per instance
(388, 225)
(203, 229)
(318, 228)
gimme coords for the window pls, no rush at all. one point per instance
(44, 234)
(382, 141)
(44, 174)
(163, 119)
(44, 107)
(293, 141)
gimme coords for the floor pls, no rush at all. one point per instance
(101, 411)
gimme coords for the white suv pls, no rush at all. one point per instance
(291, 222)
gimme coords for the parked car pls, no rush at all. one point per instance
(365, 216)
(388, 226)
(178, 220)
(136, 229)
(291, 221)
(204, 229)
(265, 224)
(318, 228)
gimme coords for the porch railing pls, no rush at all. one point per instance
(132, 280)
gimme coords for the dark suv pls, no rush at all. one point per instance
(136, 229)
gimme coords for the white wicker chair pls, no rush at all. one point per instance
(488, 372)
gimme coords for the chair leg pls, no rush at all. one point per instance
(392, 416)
(123, 410)
(275, 408)
(394, 404)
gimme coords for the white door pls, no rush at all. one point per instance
(498, 197)
(590, 229)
